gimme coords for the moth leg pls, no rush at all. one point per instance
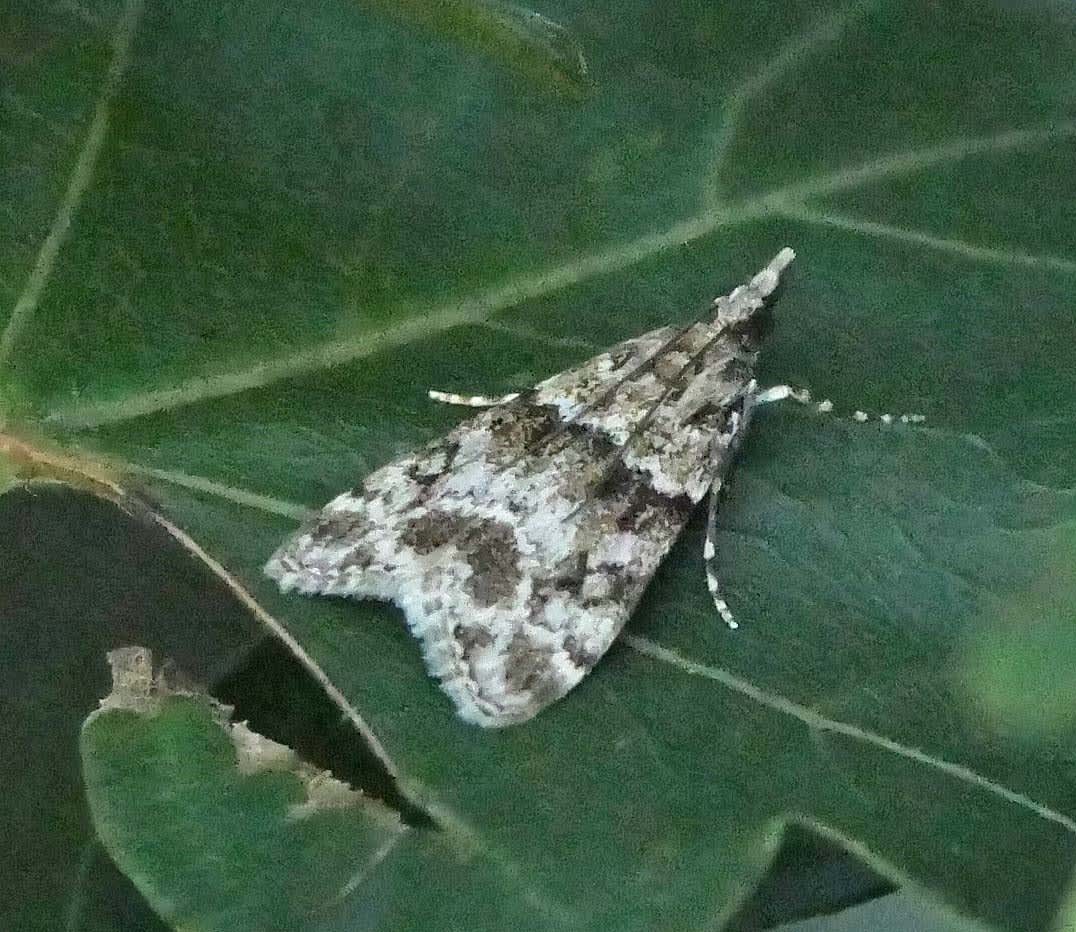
(718, 449)
(471, 401)
(709, 556)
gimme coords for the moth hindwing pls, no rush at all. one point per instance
(520, 543)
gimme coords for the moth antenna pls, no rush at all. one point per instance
(803, 396)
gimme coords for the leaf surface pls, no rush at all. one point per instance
(286, 226)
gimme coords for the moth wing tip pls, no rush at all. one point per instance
(472, 707)
(766, 281)
(287, 569)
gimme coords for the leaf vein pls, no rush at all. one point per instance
(821, 723)
(911, 161)
(901, 234)
(792, 56)
(78, 183)
(277, 628)
(475, 309)
(234, 494)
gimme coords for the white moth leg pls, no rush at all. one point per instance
(749, 394)
(471, 401)
(709, 556)
(803, 396)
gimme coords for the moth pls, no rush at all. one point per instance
(519, 544)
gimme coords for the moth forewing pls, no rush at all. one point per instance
(519, 544)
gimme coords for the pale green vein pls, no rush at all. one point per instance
(417, 324)
(238, 496)
(77, 184)
(941, 244)
(464, 838)
(366, 870)
(914, 161)
(821, 723)
(789, 58)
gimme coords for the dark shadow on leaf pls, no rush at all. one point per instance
(274, 694)
(810, 876)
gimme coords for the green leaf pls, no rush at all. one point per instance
(222, 828)
(242, 241)
(219, 826)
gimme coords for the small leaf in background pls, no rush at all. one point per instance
(522, 39)
(218, 826)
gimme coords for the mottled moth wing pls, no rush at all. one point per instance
(519, 544)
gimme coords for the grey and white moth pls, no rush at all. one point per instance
(519, 544)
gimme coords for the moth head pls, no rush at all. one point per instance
(745, 302)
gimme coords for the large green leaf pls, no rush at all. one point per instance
(243, 239)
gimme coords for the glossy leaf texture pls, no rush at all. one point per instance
(241, 241)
